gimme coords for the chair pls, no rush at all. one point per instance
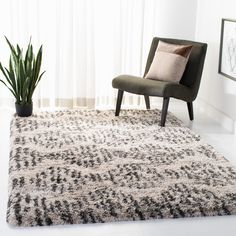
(186, 90)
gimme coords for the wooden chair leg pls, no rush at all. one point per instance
(118, 102)
(147, 102)
(164, 111)
(190, 110)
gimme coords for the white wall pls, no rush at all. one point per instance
(216, 90)
(176, 18)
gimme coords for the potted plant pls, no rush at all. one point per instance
(22, 76)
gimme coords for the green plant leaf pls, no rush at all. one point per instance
(9, 89)
(10, 78)
(25, 90)
(19, 51)
(12, 74)
(38, 62)
(22, 78)
(3, 71)
(7, 76)
(11, 47)
(36, 84)
(39, 78)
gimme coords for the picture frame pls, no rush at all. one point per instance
(227, 56)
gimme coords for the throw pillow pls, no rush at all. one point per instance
(169, 62)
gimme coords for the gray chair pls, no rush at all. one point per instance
(186, 90)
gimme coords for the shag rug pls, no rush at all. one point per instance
(86, 166)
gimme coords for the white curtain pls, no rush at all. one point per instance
(86, 43)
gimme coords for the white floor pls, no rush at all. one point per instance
(223, 141)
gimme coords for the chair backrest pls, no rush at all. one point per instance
(193, 71)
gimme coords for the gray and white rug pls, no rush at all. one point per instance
(89, 166)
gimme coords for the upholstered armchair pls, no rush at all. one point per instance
(186, 89)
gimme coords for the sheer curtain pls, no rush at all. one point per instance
(86, 43)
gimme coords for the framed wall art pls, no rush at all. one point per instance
(227, 59)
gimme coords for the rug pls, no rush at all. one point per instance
(88, 166)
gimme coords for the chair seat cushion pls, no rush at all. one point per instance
(142, 86)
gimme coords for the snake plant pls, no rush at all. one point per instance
(23, 74)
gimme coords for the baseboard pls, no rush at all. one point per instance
(215, 114)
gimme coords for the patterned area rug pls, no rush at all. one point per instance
(88, 166)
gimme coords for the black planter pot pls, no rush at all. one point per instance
(24, 110)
